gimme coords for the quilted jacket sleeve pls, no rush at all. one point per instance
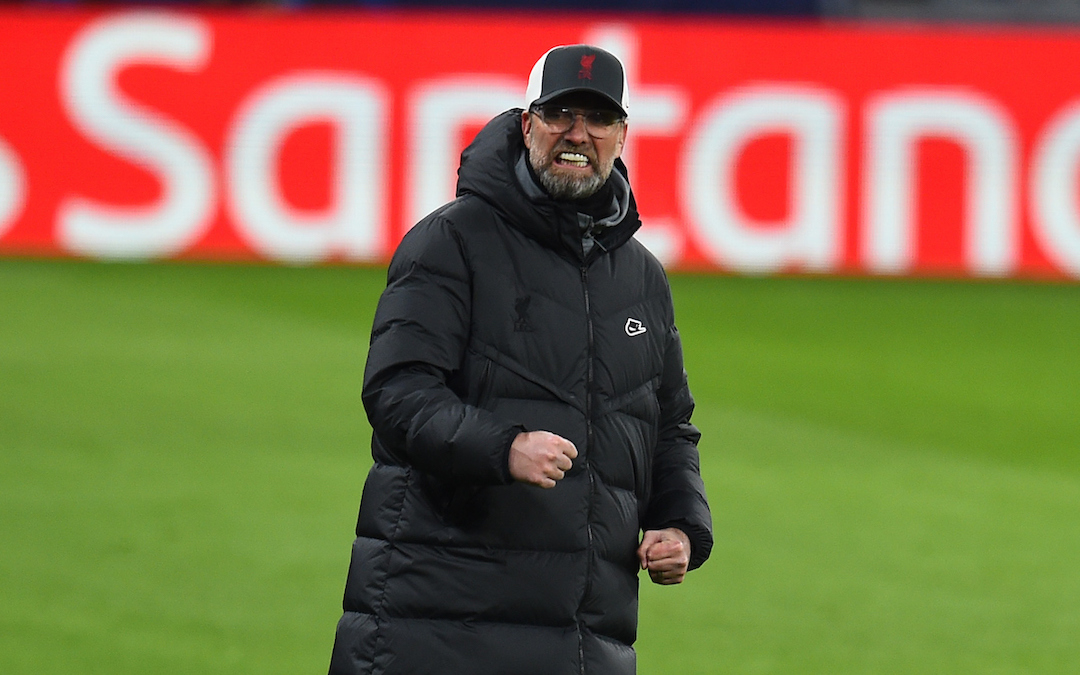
(678, 492)
(418, 340)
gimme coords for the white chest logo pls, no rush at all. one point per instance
(634, 327)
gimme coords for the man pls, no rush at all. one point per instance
(532, 438)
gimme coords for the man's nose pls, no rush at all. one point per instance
(577, 132)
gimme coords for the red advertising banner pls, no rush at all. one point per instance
(753, 147)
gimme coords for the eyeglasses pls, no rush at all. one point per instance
(599, 123)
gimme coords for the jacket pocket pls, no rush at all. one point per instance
(483, 386)
(478, 385)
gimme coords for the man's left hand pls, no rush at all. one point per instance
(666, 554)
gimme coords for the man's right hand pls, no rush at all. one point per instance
(541, 458)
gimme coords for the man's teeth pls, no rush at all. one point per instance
(574, 158)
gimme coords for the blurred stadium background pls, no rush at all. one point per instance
(870, 211)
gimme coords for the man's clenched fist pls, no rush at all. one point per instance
(541, 458)
(666, 554)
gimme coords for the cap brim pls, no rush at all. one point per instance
(574, 90)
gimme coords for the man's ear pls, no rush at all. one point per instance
(526, 126)
(622, 140)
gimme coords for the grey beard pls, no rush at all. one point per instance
(563, 186)
(568, 187)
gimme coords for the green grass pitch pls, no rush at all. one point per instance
(894, 468)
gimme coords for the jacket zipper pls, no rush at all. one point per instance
(589, 374)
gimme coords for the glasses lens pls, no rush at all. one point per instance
(557, 118)
(598, 119)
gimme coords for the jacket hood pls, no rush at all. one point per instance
(489, 170)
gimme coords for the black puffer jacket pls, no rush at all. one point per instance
(494, 321)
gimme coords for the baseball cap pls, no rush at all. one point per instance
(570, 68)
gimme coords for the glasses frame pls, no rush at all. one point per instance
(596, 128)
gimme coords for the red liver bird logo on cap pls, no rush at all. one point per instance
(586, 67)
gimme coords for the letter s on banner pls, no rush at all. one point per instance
(12, 187)
(132, 131)
(353, 225)
(809, 238)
